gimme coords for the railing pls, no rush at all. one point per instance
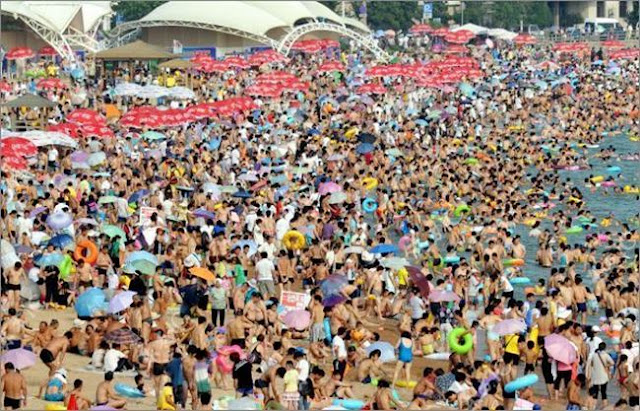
(631, 38)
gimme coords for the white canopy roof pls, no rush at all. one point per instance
(58, 15)
(475, 29)
(502, 34)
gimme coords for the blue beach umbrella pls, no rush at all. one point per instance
(90, 301)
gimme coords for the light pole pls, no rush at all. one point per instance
(462, 13)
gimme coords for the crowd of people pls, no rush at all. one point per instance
(421, 247)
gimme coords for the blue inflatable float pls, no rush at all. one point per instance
(520, 383)
(369, 205)
(520, 281)
(128, 391)
(349, 403)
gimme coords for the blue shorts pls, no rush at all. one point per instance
(245, 391)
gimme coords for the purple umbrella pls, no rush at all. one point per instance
(419, 280)
(297, 319)
(440, 296)
(333, 284)
(330, 187)
(204, 213)
(20, 358)
(37, 211)
(60, 220)
(560, 349)
(79, 157)
(510, 326)
(333, 300)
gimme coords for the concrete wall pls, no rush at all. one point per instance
(191, 37)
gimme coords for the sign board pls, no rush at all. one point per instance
(427, 11)
(177, 47)
(294, 301)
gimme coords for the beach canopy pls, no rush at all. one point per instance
(29, 100)
(138, 50)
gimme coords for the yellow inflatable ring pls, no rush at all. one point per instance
(597, 179)
(406, 384)
(370, 183)
(294, 240)
(351, 132)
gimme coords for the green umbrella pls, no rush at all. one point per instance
(107, 199)
(113, 231)
(153, 135)
(144, 266)
(394, 152)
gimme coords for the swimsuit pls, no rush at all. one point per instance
(158, 368)
(11, 403)
(46, 356)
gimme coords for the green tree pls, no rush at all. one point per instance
(134, 10)
(632, 16)
(395, 15)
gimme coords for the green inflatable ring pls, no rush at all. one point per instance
(471, 161)
(462, 208)
(454, 341)
(574, 230)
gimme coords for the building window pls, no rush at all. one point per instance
(600, 9)
(622, 9)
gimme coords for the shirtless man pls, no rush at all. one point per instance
(13, 330)
(84, 276)
(53, 354)
(237, 330)
(256, 312)
(580, 300)
(188, 368)
(14, 388)
(159, 357)
(199, 334)
(41, 338)
(317, 319)
(370, 368)
(14, 275)
(268, 382)
(106, 395)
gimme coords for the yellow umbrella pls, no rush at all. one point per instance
(203, 273)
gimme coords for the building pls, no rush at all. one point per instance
(593, 9)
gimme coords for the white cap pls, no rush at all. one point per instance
(596, 329)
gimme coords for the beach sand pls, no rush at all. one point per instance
(75, 366)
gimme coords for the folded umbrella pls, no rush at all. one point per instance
(297, 319)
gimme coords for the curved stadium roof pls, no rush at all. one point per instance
(58, 15)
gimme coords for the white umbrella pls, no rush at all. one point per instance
(354, 250)
(181, 93)
(152, 91)
(8, 256)
(394, 263)
(127, 89)
(97, 158)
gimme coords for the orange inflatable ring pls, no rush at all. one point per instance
(88, 248)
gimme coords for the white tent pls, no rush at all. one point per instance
(475, 29)
(502, 34)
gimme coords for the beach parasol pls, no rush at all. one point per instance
(333, 300)
(394, 263)
(143, 261)
(297, 319)
(20, 358)
(113, 231)
(560, 349)
(89, 302)
(333, 284)
(17, 146)
(509, 326)
(202, 213)
(121, 301)
(337, 198)
(14, 163)
(387, 352)
(60, 241)
(365, 148)
(123, 336)
(328, 188)
(419, 280)
(203, 273)
(385, 249)
(59, 220)
(440, 296)
(45, 260)
(17, 53)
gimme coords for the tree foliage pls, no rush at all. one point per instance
(134, 10)
(395, 15)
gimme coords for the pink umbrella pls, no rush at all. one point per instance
(14, 163)
(17, 146)
(20, 358)
(47, 51)
(331, 66)
(297, 319)
(510, 326)
(560, 349)
(523, 38)
(459, 37)
(440, 296)
(265, 57)
(421, 29)
(237, 61)
(86, 116)
(329, 187)
(51, 83)
(371, 88)
(419, 280)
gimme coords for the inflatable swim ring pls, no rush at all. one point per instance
(452, 260)
(404, 242)
(454, 343)
(294, 240)
(370, 183)
(369, 205)
(614, 169)
(55, 406)
(574, 230)
(520, 383)
(128, 391)
(444, 356)
(608, 184)
(349, 403)
(597, 179)
(471, 161)
(631, 190)
(406, 384)
(224, 364)
(65, 267)
(513, 262)
(462, 208)
(519, 280)
(86, 247)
